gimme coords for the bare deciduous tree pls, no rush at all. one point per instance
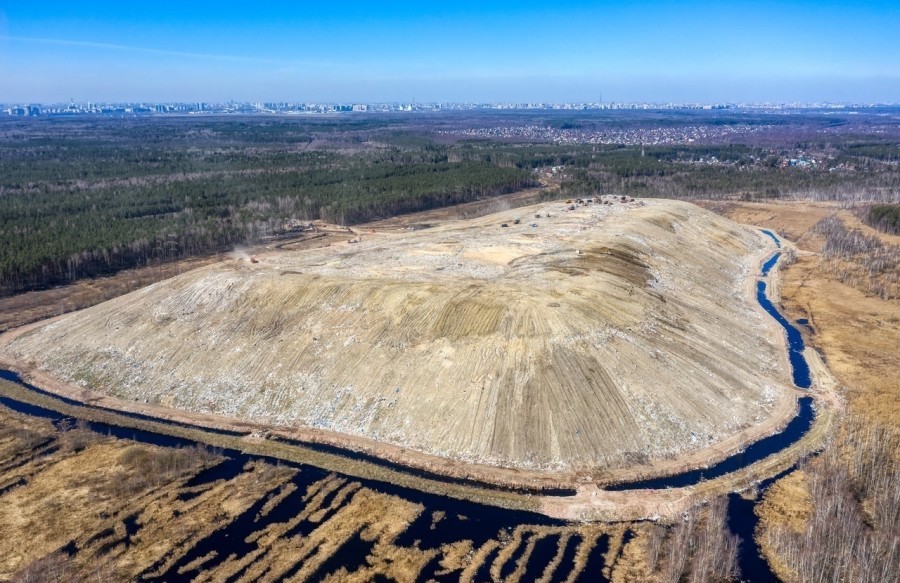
(852, 532)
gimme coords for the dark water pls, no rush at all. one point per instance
(15, 378)
(32, 410)
(543, 552)
(761, 449)
(805, 323)
(463, 519)
(484, 571)
(324, 448)
(224, 542)
(772, 235)
(571, 550)
(795, 430)
(237, 459)
(768, 265)
(795, 340)
(742, 521)
(593, 569)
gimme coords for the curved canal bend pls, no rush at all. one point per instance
(791, 434)
(742, 520)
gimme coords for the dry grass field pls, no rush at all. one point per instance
(98, 508)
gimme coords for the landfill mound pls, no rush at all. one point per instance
(564, 336)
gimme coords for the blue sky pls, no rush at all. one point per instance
(450, 51)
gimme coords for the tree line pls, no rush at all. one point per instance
(83, 198)
(884, 217)
(53, 236)
(860, 260)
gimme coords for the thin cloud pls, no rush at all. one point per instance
(166, 52)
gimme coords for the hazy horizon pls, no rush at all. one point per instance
(465, 52)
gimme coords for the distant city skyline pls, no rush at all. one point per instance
(657, 52)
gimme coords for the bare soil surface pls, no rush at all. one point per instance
(21, 309)
(529, 424)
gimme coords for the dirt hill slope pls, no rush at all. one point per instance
(599, 338)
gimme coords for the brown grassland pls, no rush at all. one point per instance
(98, 508)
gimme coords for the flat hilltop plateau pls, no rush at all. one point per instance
(610, 336)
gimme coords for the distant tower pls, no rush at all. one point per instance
(642, 149)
